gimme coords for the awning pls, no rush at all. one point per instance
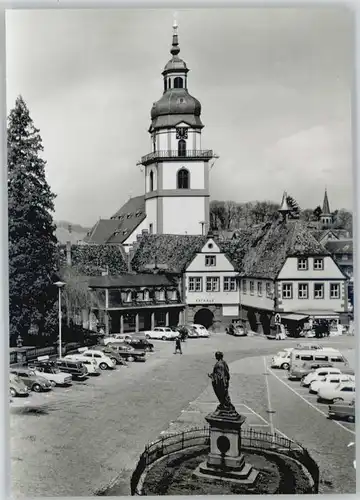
(295, 317)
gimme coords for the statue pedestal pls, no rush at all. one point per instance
(225, 460)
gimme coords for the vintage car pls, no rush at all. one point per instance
(344, 411)
(236, 330)
(103, 361)
(31, 380)
(161, 333)
(128, 353)
(46, 368)
(17, 386)
(344, 391)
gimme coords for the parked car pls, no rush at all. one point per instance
(142, 344)
(187, 331)
(110, 351)
(200, 330)
(330, 380)
(48, 369)
(343, 392)
(31, 380)
(282, 359)
(318, 374)
(161, 333)
(103, 360)
(17, 386)
(236, 330)
(342, 411)
(72, 366)
(90, 364)
(118, 337)
(129, 353)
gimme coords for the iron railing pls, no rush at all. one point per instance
(191, 153)
(250, 438)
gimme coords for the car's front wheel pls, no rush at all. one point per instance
(163, 337)
(36, 388)
(147, 336)
(53, 383)
(131, 358)
(103, 366)
(285, 366)
(113, 360)
(13, 393)
(351, 418)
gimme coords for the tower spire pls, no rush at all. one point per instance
(175, 49)
(326, 205)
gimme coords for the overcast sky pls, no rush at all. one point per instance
(274, 84)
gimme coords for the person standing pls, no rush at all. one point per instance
(178, 345)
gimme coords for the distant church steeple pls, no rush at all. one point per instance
(326, 216)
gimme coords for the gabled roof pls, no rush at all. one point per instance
(174, 251)
(258, 252)
(319, 234)
(101, 231)
(121, 225)
(344, 246)
(130, 280)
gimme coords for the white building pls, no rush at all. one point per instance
(176, 198)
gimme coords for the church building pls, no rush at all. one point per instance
(176, 170)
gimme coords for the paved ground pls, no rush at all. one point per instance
(88, 437)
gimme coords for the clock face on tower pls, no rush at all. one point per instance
(181, 133)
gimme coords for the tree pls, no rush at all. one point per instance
(294, 206)
(317, 213)
(32, 241)
(307, 215)
(343, 219)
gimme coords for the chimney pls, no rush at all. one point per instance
(68, 253)
(144, 231)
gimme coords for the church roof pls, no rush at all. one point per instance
(121, 225)
(258, 252)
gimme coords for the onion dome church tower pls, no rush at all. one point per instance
(177, 169)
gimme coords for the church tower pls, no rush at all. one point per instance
(326, 216)
(177, 169)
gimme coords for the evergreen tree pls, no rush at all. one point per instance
(317, 213)
(32, 241)
(294, 206)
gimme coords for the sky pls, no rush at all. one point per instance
(274, 85)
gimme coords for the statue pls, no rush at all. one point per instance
(220, 378)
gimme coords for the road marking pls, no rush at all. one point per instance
(254, 412)
(268, 398)
(190, 411)
(308, 402)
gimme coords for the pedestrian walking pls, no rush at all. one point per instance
(178, 345)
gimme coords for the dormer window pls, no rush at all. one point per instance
(128, 216)
(210, 260)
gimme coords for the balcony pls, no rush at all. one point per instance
(195, 154)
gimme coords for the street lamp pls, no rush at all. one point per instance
(60, 285)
